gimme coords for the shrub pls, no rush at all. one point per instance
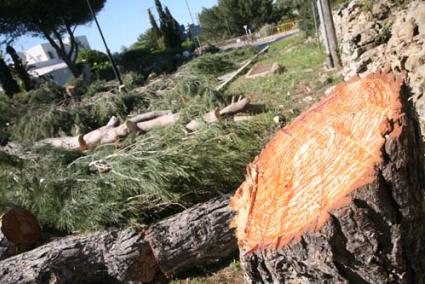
(98, 63)
(267, 30)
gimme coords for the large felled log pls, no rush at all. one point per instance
(337, 196)
(102, 257)
(19, 231)
(197, 237)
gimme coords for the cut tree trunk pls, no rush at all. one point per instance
(337, 196)
(197, 237)
(102, 257)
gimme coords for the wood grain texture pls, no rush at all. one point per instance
(337, 195)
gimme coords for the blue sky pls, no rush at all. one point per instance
(123, 21)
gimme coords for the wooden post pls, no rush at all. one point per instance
(329, 26)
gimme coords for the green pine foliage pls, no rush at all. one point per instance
(141, 178)
(229, 17)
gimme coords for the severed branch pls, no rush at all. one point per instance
(162, 121)
(149, 116)
(211, 117)
(235, 107)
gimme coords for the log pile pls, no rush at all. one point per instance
(337, 196)
(113, 130)
(196, 237)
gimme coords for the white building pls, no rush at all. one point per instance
(46, 63)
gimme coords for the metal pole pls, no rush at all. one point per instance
(193, 22)
(111, 59)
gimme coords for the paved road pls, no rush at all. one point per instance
(263, 42)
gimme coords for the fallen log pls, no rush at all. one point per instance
(162, 121)
(211, 117)
(106, 134)
(235, 107)
(102, 257)
(149, 116)
(197, 237)
(19, 231)
(337, 196)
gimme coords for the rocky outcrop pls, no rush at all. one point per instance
(385, 34)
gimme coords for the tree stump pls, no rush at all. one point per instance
(337, 196)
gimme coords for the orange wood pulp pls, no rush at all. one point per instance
(311, 166)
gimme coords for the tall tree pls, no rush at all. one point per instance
(169, 26)
(20, 68)
(154, 24)
(232, 15)
(50, 19)
(9, 84)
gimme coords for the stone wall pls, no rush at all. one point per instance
(383, 34)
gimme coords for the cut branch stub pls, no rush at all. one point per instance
(337, 195)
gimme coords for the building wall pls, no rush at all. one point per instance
(44, 55)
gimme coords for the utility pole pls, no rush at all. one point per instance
(193, 23)
(316, 26)
(111, 59)
(329, 34)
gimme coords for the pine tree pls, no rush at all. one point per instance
(169, 26)
(10, 86)
(154, 24)
(174, 28)
(20, 69)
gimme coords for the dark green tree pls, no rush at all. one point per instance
(230, 16)
(214, 25)
(155, 29)
(169, 26)
(20, 69)
(50, 19)
(9, 85)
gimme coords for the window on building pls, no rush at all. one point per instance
(51, 55)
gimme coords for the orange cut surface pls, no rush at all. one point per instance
(311, 166)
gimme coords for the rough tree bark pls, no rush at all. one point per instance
(102, 257)
(342, 225)
(198, 236)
